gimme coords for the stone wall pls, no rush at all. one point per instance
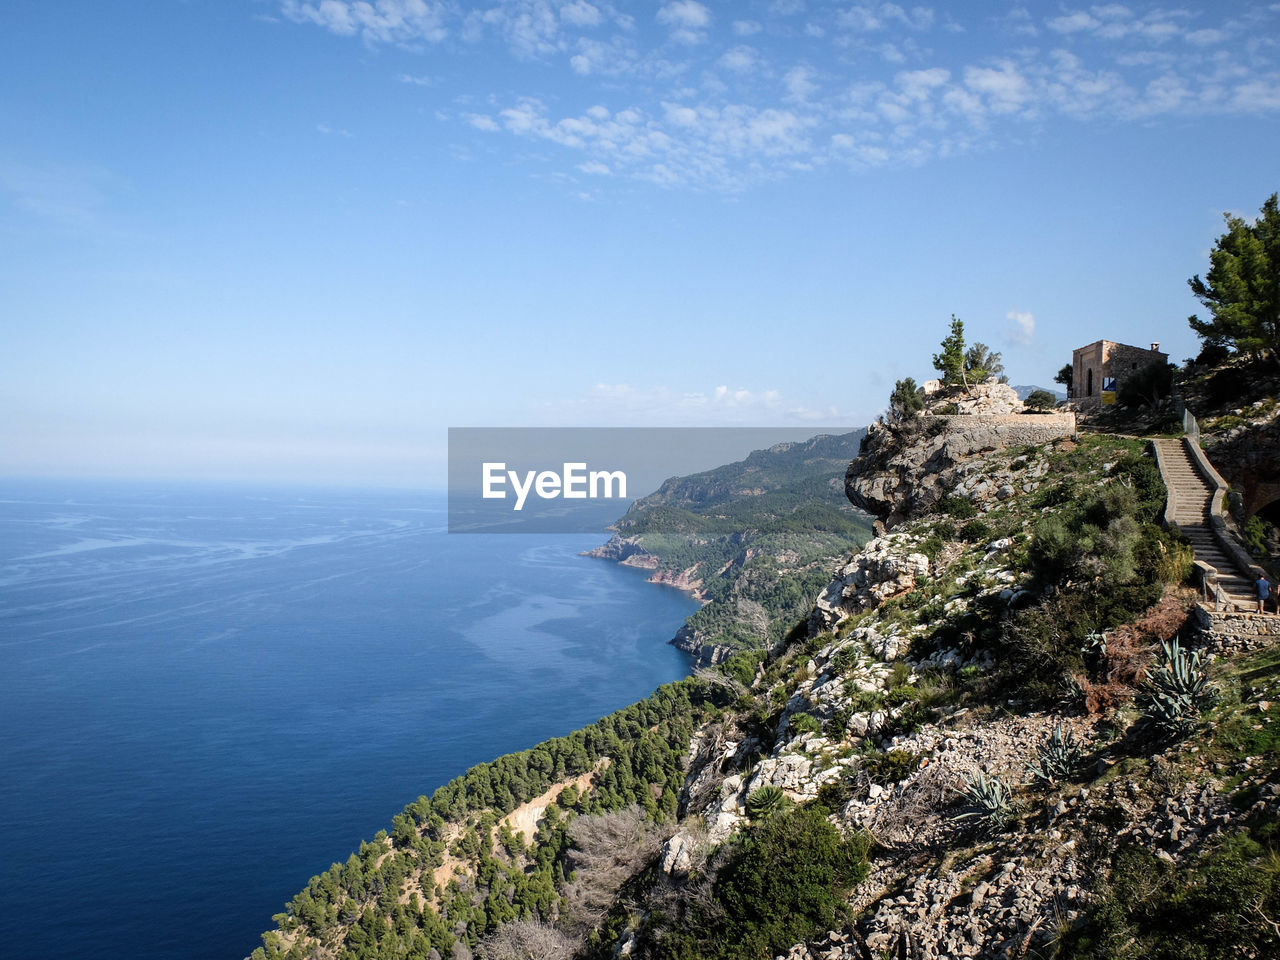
(905, 468)
(1223, 631)
(980, 432)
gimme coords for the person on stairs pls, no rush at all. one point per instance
(1264, 591)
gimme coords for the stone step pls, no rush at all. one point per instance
(1193, 495)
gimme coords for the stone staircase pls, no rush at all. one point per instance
(1190, 507)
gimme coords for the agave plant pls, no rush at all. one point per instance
(1059, 757)
(1095, 645)
(765, 801)
(1176, 690)
(989, 800)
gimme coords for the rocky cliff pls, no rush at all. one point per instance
(752, 540)
(906, 466)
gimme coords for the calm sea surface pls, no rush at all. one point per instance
(208, 695)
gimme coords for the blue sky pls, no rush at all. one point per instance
(295, 241)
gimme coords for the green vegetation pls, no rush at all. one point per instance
(780, 882)
(1221, 905)
(891, 767)
(1101, 547)
(1150, 385)
(1040, 400)
(1242, 288)
(1061, 610)
(987, 800)
(1065, 376)
(638, 755)
(760, 536)
(1176, 690)
(961, 366)
(765, 802)
(907, 399)
(1058, 759)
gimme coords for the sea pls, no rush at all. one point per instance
(209, 694)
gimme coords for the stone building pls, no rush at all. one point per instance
(1098, 370)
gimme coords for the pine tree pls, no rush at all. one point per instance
(1242, 288)
(950, 362)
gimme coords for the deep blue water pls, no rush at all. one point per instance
(208, 695)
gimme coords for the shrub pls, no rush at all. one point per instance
(1176, 560)
(765, 802)
(805, 723)
(946, 410)
(1147, 386)
(785, 880)
(891, 767)
(906, 400)
(1041, 400)
(1226, 385)
(1095, 537)
(1221, 905)
(1059, 757)
(1176, 690)
(975, 531)
(932, 546)
(1256, 532)
(988, 800)
(1213, 354)
(959, 507)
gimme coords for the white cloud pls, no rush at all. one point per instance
(1073, 23)
(740, 59)
(328, 130)
(1204, 38)
(666, 118)
(1257, 96)
(686, 19)
(375, 21)
(580, 14)
(920, 84)
(1023, 327)
(1018, 22)
(681, 116)
(531, 28)
(1006, 90)
(482, 122)
(868, 17)
(892, 53)
(611, 58)
(659, 405)
(799, 84)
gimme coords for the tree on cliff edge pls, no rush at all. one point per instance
(1242, 288)
(951, 362)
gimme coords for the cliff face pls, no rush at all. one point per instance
(905, 467)
(752, 540)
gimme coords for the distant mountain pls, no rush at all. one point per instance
(1026, 391)
(750, 538)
